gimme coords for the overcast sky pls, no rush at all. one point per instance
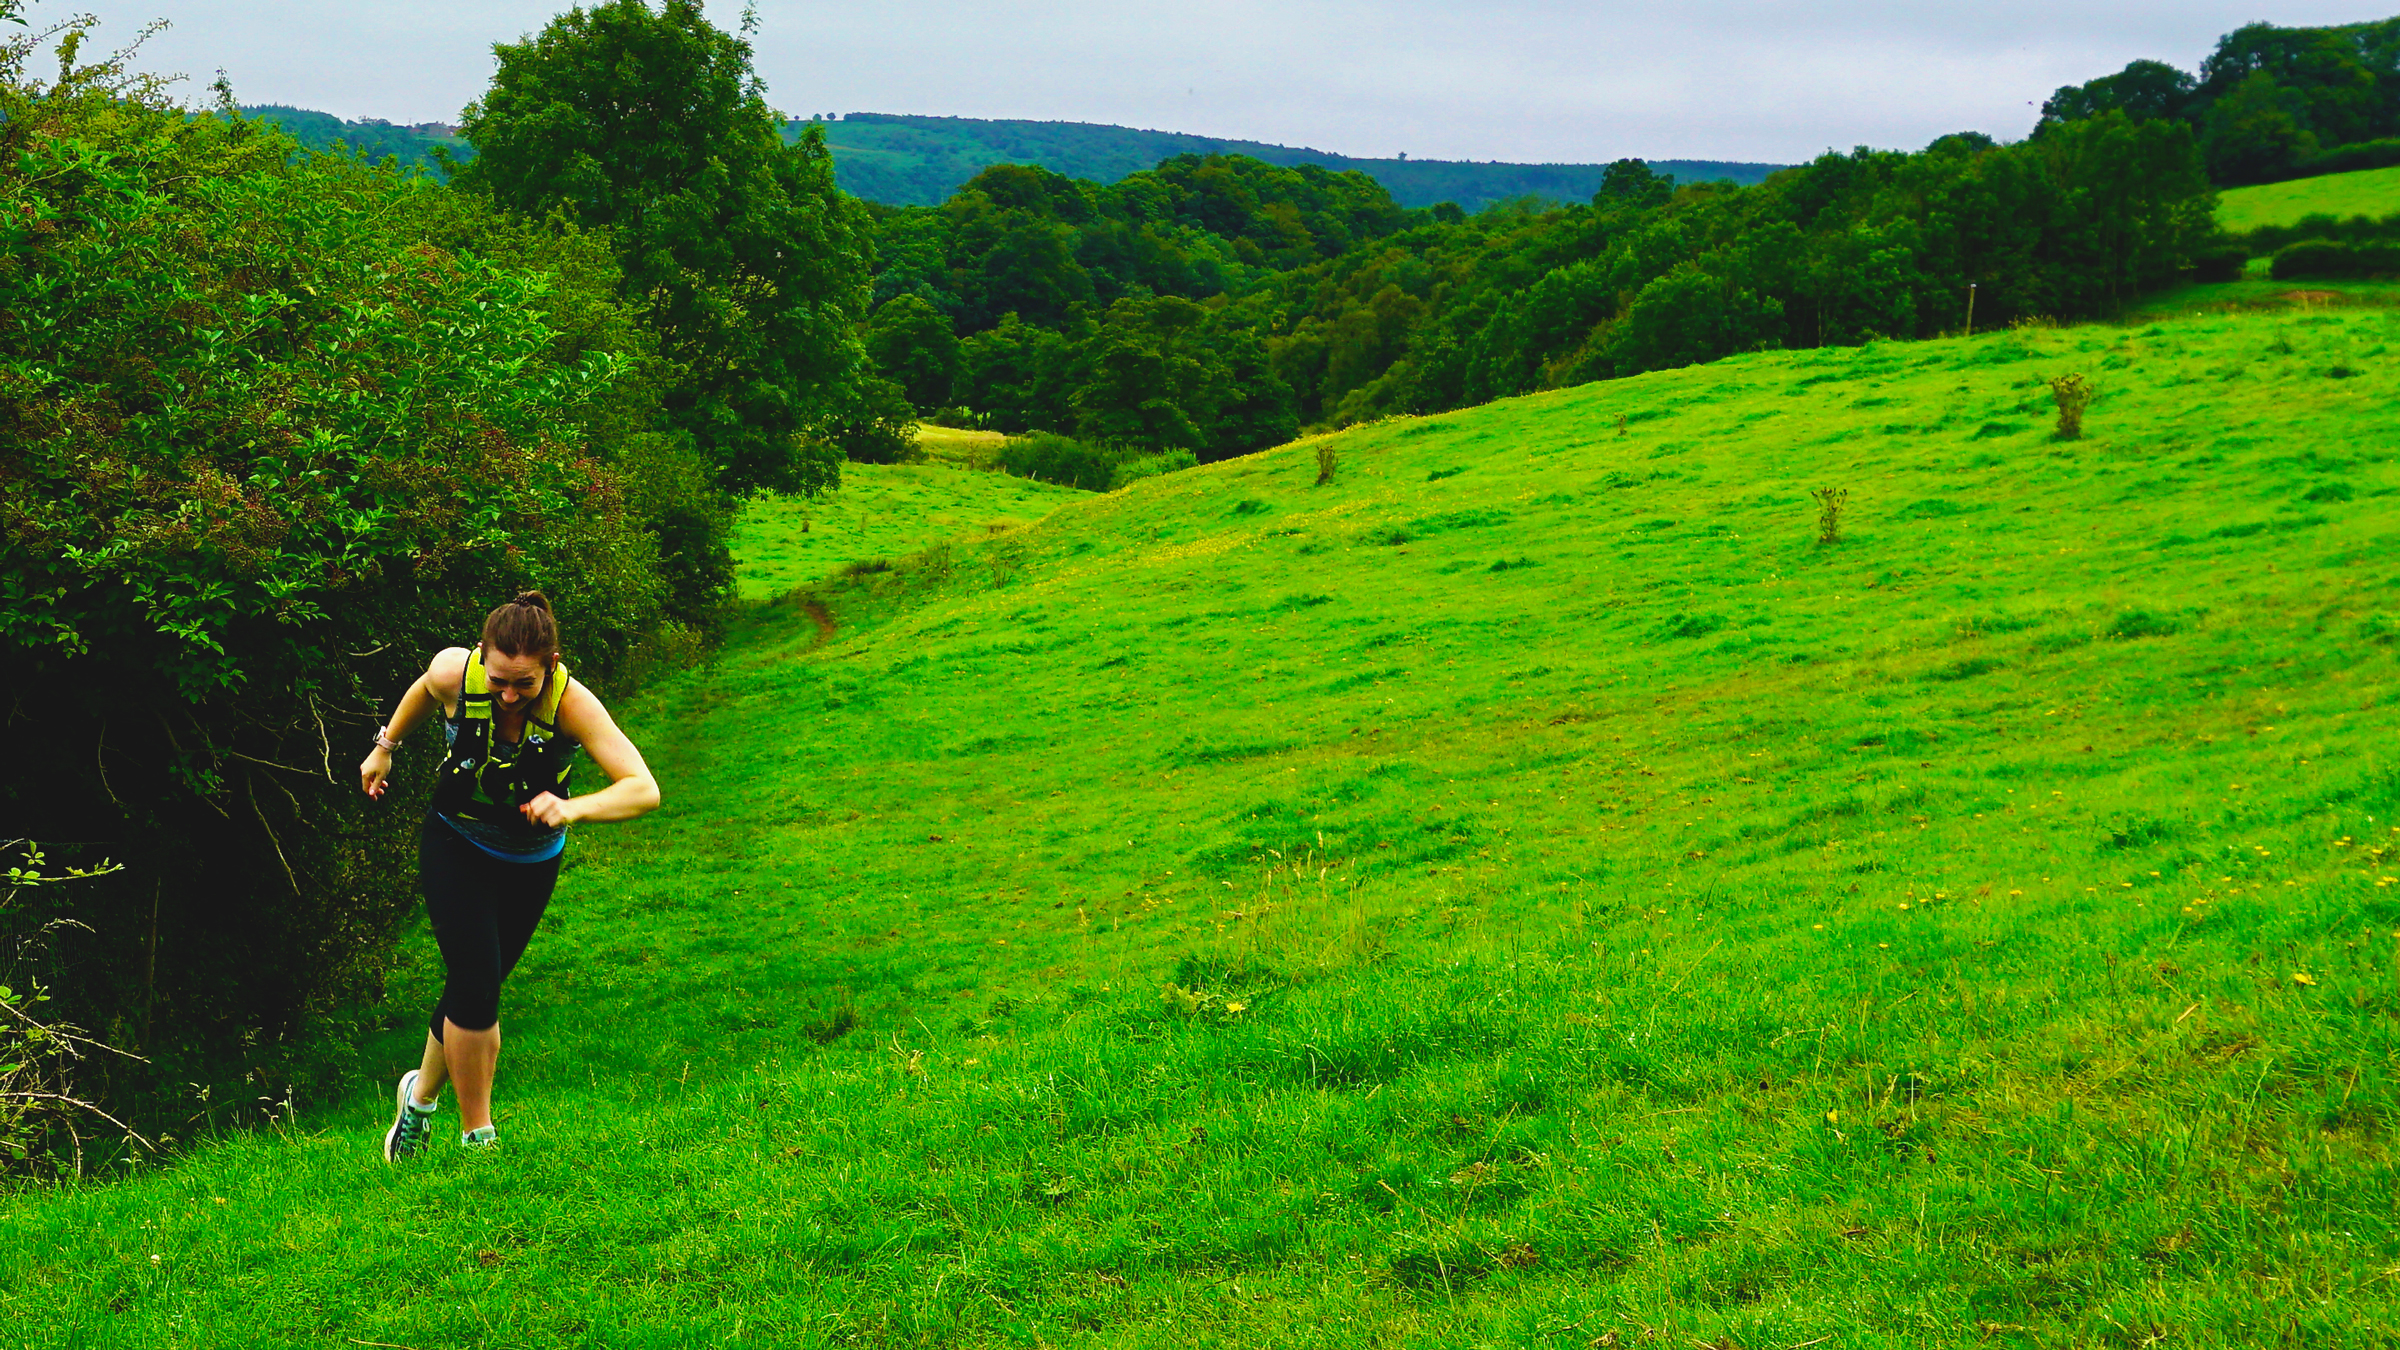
(1533, 80)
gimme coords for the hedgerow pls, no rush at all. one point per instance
(273, 427)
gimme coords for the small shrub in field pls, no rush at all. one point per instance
(2331, 260)
(1963, 670)
(1151, 466)
(933, 562)
(2142, 623)
(1052, 458)
(1326, 462)
(2072, 393)
(1830, 501)
(1683, 626)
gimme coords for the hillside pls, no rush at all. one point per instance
(1526, 892)
(412, 146)
(919, 161)
(2368, 192)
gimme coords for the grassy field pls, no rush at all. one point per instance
(881, 511)
(2256, 293)
(1527, 892)
(2367, 192)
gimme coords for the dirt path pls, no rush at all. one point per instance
(821, 617)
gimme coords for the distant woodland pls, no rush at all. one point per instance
(1216, 304)
(411, 147)
(919, 161)
(901, 160)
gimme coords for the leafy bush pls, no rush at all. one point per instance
(2356, 229)
(273, 427)
(867, 421)
(2220, 260)
(2072, 392)
(1150, 466)
(41, 1116)
(1053, 458)
(2329, 260)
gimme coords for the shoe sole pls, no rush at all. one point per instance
(400, 1096)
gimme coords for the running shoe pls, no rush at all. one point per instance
(412, 1125)
(482, 1136)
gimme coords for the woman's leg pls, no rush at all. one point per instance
(484, 912)
(472, 1056)
(433, 1070)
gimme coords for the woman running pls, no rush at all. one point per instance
(488, 855)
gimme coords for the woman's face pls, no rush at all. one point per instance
(515, 680)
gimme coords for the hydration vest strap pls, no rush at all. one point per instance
(475, 694)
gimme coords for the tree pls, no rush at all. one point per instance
(1144, 378)
(753, 264)
(910, 342)
(1017, 375)
(2256, 133)
(1631, 182)
(2143, 89)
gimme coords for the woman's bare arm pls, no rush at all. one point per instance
(433, 689)
(631, 790)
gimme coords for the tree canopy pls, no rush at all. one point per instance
(2269, 102)
(1217, 304)
(651, 125)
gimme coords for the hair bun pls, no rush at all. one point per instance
(532, 600)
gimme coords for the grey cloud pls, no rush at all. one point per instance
(1516, 80)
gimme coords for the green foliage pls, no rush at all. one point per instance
(407, 147)
(1218, 305)
(752, 264)
(42, 1119)
(867, 421)
(911, 343)
(1846, 249)
(2329, 260)
(274, 426)
(2073, 393)
(2267, 240)
(1051, 458)
(920, 161)
(1137, 467)
(2269, 103)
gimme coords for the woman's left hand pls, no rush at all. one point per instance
(549, 809)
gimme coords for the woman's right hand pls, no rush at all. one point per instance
(373, 771)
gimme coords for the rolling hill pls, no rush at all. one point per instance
(2367, 192)
(919, 161)
(1526, 891)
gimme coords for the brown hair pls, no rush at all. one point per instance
(523, 627)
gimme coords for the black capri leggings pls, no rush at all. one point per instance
(484, 911)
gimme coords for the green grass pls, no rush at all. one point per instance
(882, 512)
(2366, 192)
(2257, 292)
(1549, 903)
